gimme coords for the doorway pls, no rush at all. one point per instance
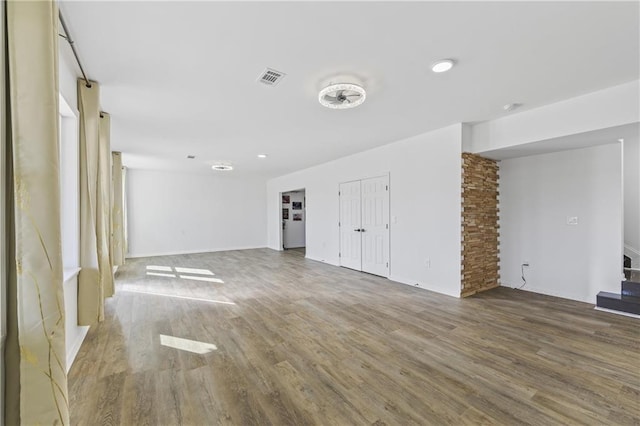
(294, 216)
(364, 225)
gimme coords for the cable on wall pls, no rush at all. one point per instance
(71, 42)
(524, 280)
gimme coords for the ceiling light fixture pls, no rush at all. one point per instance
(511, 107)
(443, 65)
(342, 96)
(262, 155)
(222, 167)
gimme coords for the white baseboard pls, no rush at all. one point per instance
(174, 253)
(547, 292)
(72, 352)
(399, 280)
(328, 262)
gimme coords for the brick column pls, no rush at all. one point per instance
(480, 255)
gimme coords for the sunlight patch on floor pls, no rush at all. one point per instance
(198, 299)
(161, 274)
(159, 268)
(193, 271)
(209, 279)
(200, 274)
(188, 345)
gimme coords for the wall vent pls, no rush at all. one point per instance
(271, 77)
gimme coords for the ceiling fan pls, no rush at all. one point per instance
(342, 96)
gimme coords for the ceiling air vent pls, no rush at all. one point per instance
(271, 77)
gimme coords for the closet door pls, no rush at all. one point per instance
(350, 226)
(375, 225)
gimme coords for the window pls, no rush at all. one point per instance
(69, 188)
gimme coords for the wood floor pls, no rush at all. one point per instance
(301, 342)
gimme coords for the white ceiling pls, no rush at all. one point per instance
(179, 78)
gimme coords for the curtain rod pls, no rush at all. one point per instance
(67, 37)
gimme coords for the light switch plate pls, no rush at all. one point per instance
(572, 220)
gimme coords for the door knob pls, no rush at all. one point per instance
(358, 230)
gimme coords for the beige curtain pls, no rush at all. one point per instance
(36, 382)
(125, 215)
(95, 281)
(117, 219)
(103, 218)
(90, 290)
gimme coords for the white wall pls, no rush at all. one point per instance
(537, 194)
(172, 212)
(632, 199)
(67, 74)
(425, 179)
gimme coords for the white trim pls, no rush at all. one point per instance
(65, 108)
(394, 279)
(320, 260)
(611, 311)
(174, 253)
(69, 273)
(72, 352)
(532, 289)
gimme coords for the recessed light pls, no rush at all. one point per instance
(262, 155)
(511, 107)
(443, 65)
(222, 167)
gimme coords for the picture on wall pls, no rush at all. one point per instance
(285, 213)
(286, 199)
(297, 216)
(297, 205)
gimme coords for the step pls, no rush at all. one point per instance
(631, 288)
(618, 302)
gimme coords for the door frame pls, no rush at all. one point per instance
(280, 229)
(388, 176)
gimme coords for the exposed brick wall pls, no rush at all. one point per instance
(480, 229)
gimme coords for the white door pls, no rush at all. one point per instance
(350, 220)
(375, 225)
(364, 225)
